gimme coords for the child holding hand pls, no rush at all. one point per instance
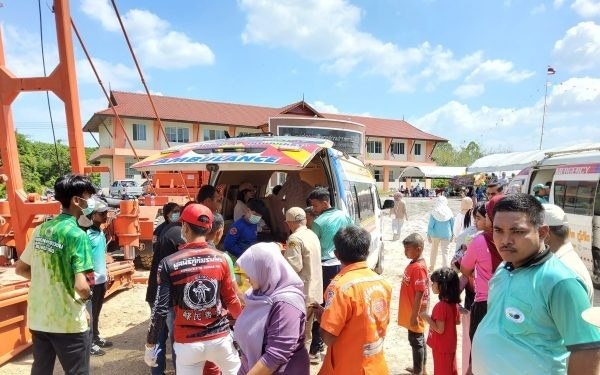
(443, 320)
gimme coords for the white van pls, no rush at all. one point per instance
(573, 178)
(575, 189)
(263, 161)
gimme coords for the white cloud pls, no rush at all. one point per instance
(23, 57)
(469, 90)
(498, 70)
(23, 53)
(324, 107)
(538, 9)
(116, 76)
(153, 38)
(579, 49)
(571, 118)
(586, 8)
(328, 32)
(558, 3)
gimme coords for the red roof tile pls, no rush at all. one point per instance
(192, 110)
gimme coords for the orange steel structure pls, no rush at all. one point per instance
(23, 211)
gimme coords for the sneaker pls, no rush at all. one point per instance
(103, 343)
(96, 351)
(315, 359)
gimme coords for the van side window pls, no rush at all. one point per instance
(575, 197)
(586, 192)
(365, 200)
(352, 203)
(559, 193)
(597, 205)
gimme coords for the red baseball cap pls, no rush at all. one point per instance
(197, 214)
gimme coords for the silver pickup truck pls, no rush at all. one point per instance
(122, 188)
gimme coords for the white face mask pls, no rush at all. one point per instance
(254, 219)
(91, 204)
(84, 222)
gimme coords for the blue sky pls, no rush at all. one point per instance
(464, 70)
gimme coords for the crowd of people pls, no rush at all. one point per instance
(524, 287)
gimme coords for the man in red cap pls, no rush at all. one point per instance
(197, 279)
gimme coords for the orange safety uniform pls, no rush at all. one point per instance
(357, 311)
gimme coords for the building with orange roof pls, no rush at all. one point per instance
(387, 146)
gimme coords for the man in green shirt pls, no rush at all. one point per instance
(58, 259)
(328, 222)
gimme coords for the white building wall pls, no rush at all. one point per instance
(169, 124)
(376, 156)
(105, 137)
(148, 143)
(400, 157)
(423, 151)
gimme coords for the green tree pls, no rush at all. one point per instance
(445, 155)
(39, 165)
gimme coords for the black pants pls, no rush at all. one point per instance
(329, 272)
(72, 349)
(99, 290)
(419, 351)
(478, 311)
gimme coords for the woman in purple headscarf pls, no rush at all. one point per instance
(270, 330)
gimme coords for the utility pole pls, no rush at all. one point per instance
(549, 72)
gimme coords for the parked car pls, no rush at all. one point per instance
(127, 188)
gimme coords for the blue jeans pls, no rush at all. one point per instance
(165, 333)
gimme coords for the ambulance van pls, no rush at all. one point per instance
(264, 161)
(573, 178)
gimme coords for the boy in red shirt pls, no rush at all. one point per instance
(414, 298)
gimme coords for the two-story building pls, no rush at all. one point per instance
(387, 146)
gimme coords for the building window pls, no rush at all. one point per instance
(377, 175)
(178, 135)
(374, 147)
(417, 149)
(139, 132)
(130, 172)
(397, 148)
(391, 176)
(210, 134)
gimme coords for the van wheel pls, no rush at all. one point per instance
(379, 266)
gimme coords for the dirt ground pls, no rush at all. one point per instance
(124, 318)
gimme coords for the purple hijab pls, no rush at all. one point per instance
(278, 282)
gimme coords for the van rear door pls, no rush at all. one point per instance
(575, 189)
(237, 154)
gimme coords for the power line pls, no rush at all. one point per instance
(47, 93)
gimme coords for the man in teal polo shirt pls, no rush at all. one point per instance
(328, 222)
(534, 303)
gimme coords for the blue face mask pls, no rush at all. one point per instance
(174, 216)
(91, 204)
(254, 219)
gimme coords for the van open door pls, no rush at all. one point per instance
(575, 189)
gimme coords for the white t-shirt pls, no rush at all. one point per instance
(571, 259)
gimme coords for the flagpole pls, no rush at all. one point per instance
(544, 112)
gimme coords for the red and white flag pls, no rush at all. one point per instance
(551, 71)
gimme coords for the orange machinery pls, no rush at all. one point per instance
(178, 187)
(21, 212)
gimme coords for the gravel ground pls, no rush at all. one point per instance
(124, 318)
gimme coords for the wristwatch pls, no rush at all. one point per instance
(85, 300)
